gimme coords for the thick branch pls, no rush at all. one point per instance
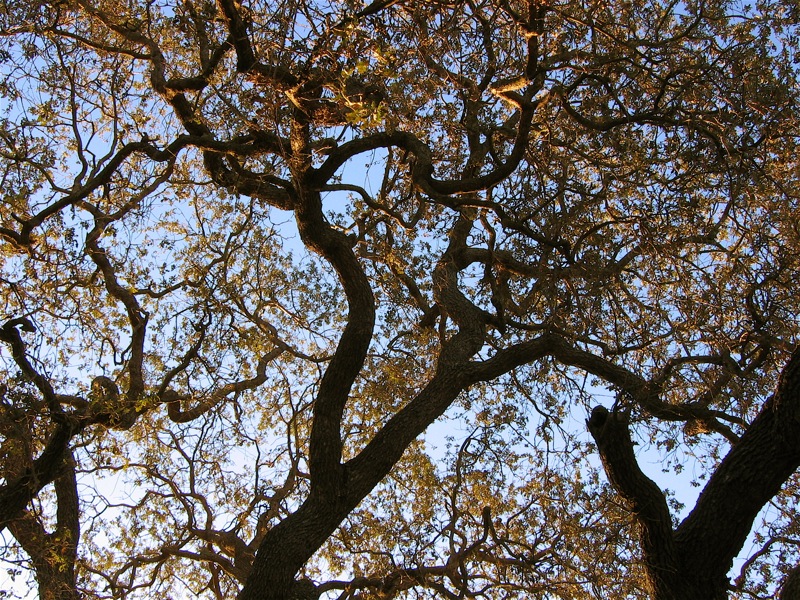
(239, 38)
(136, 316)
(753, 472)
(23, 237)
(53, 555)
(17, 493)
(646, 501)
(641, 391)
(10, 334)
(288, 545)
(694, 561)
(790, 590)
(422, 171)
(325, 443)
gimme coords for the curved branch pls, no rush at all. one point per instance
(173, 400)
(643, 392)
(325, 444)
(646, 500)
(422, 169)
(245, 57)
(10, 334)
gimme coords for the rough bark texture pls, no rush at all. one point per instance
(645, 499)
(790, 590)
(17, 493)
(693, 560)
(54, 553)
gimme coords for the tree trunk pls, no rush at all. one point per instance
(693, 560)
(790, 590)
(53, 554)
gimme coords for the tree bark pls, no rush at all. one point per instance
(17, 493)
(790, 590)
(693, 560)
(288, 545)
(53, 555)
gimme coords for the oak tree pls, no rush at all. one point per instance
(452, 299)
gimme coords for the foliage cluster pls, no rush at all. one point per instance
(311, 298)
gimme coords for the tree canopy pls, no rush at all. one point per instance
(446, 299)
